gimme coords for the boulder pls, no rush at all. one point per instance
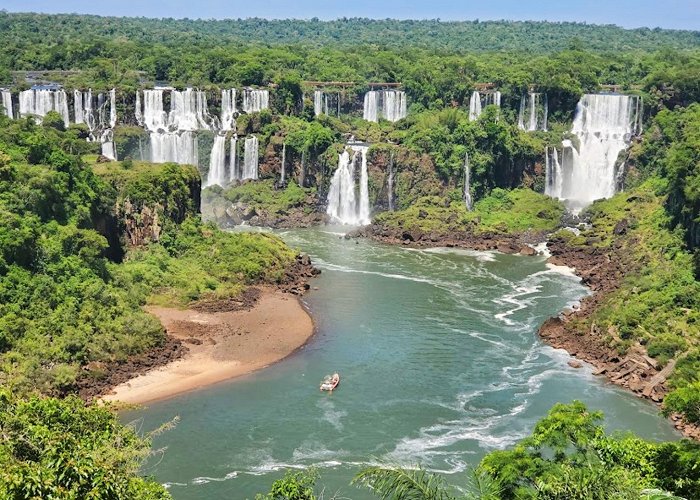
(528, 250)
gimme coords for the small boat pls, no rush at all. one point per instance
(330, 382)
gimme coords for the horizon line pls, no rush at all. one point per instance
(320, 20)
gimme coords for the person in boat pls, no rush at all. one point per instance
(330, 382)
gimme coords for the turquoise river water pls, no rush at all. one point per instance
(440, 364)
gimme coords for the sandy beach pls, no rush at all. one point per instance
(222, 345)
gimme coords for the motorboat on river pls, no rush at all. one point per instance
(330, 382)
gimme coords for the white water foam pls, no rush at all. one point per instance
(513, 299)
(481, 256)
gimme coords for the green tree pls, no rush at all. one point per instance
(54, 120)
(53, 448)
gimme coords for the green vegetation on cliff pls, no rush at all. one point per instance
(197, 262)
(69, 293)
(263, 197)
(658, 302)
(502, 212)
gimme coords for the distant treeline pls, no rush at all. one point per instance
(453, 36)
(439, 64)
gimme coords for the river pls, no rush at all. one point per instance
(440, 364)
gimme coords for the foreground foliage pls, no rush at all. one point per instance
(569, 456)
(63, 449)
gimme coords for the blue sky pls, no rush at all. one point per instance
(680, 14)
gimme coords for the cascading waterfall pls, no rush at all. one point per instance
(283, 164)
(553, 173)
(38, 102)
(112, 108)
(478, 102)
(100, 127)
(107, 140)
(394, 105)
(173, 135)
(320, 103)
(138, 113)
(179, 148)
(604, 125)
(255, 100)
(343, 205)
(474, 106)
(7, 103)
(388, 104)
(79, 104)
(188, 110)
(217, 162)
(154, 118)
(494, 98)
(370, 106)
(467, 184)
(233, 173)
(228, 109)
(250, 158)
(363, 212)
(535, 108)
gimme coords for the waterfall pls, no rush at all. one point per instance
(343, 205)
(467, 185)
(99, 124)
(341, 195)
(363, 212)
(233, 173)
(173, 135)
(107, 140)
(534, 107)
(284, 159)
(38, 102)
(319, 102)
(112, 108)
(250, 158)
(228, 109)
(154, 118)
(255, 101)
(604, 125)
(387, 104)
(138, 113)
(179, 148)
(474, 106)
(553, 173)
(478, 102)
(7, 103)
(324, 103)
(78, 107)
(188, 110)
(370, 106)
(217, 162)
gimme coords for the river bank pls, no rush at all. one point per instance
(221, 346)
(185, 334)
(521, 243)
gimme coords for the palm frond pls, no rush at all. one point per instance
(483, 486)
(402, 484)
